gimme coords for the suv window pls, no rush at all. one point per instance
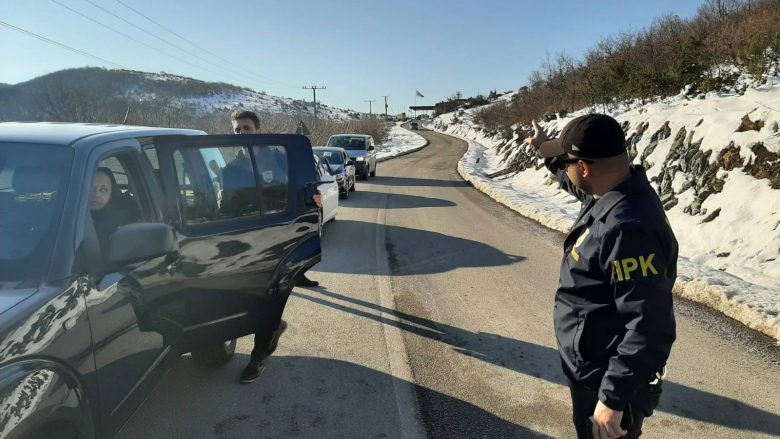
(33, 179)
(226, 182)
(348, 142)
(118, 196)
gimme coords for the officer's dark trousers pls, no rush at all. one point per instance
(584, 400)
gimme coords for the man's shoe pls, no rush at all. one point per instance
(304, 281)
(252, 371)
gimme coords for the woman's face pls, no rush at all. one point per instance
(101, 191)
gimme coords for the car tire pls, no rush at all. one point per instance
(365, 175)
(344, 195)
(373, 173)
(216, 354)
(352, 188)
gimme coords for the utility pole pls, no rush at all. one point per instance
(385, 107)
(369, 108)
(314, 89)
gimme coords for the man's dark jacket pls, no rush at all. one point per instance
(613, 310)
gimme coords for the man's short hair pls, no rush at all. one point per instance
(246, 114)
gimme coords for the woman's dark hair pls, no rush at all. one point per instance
(114, 214)
(116, 194)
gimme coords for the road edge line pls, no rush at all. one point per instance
(398, 359)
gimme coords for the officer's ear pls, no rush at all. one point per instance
(586, 169)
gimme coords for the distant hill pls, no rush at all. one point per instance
(100, 95)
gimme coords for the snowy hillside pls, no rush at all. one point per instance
(715, 162)
(31, 100)
(232, 98)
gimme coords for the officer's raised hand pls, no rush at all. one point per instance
(538, 137)
(606, 422)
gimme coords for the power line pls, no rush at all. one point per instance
(256, 75)
(166, 41)
(10, 26)
(131, 38)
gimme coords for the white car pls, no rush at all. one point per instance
(329, 189)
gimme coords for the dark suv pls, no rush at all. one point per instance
(123, 247)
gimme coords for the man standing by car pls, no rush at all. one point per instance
(247, 122)
(613, 309)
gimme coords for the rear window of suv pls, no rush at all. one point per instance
(33, 179)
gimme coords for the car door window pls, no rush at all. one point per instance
(227, 182)
(272, 168)
(119, 196)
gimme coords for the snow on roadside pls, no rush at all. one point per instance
(400, 141)
(747, 203)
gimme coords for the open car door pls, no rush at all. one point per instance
(245, 223)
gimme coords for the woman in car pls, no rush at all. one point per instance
(108, 206)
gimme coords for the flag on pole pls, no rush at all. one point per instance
(419, 94)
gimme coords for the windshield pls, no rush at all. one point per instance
(348, 142)
(33, 179)
(333, 157)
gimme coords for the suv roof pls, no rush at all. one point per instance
(59, 133)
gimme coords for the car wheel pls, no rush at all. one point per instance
(352, 188)
(365, 175)
(373, 173)
(216, 354)
(344, 195)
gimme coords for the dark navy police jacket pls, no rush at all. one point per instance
(613, 310)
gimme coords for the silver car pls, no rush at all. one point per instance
(341, 166)
(360, 148)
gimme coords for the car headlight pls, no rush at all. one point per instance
(360, 159)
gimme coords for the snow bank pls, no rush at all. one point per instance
(400, 141)
(730, 263)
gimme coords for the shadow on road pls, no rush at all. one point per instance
(544, 363)
(294, 397)
(411, 251)
(404, 181)
(376, 200)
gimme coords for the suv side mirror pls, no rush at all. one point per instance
(139, 242)
(371, 147)
(351, 162)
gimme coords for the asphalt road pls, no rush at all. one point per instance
(434, 319)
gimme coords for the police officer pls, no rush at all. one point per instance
(613, 309)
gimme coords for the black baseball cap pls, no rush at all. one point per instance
(593, 136)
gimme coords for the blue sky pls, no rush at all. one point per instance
(360, 50)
